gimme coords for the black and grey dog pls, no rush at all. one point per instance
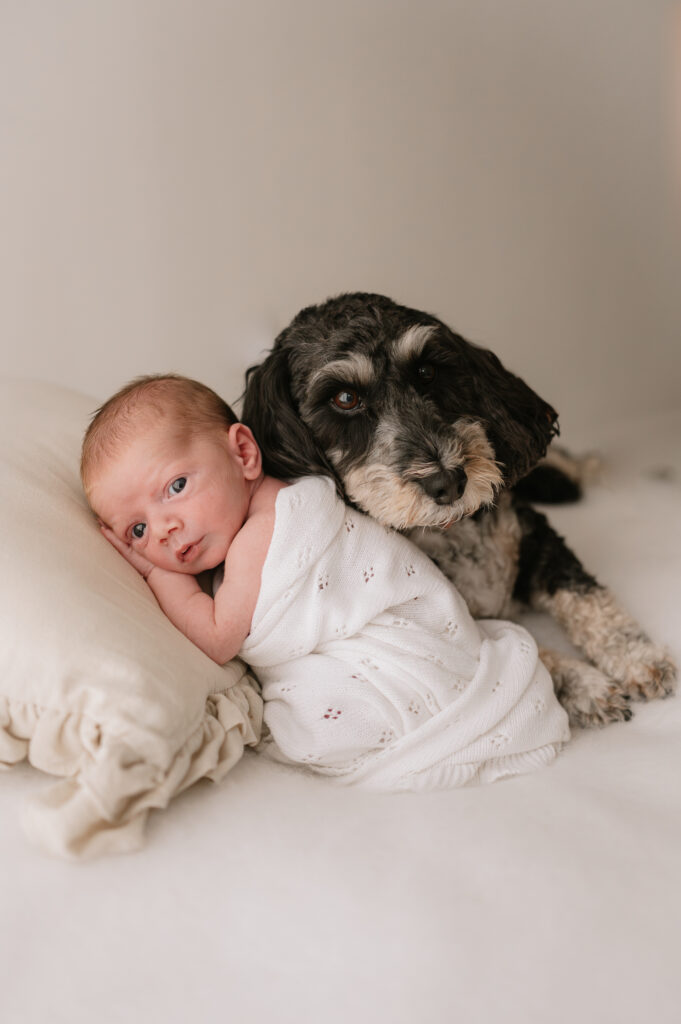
(431, 435)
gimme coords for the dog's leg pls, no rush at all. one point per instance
(612, 640)
(551, 578)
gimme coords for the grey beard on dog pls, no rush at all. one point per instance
(431, 435)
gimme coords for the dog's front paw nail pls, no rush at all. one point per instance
(615, 705)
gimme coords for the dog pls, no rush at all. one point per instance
(431, 435)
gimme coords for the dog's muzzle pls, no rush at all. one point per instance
(446, 486)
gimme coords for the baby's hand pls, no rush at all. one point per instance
(137, 561)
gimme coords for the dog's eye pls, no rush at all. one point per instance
(346, 400)
(426, 372)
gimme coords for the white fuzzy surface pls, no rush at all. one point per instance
(277, 897)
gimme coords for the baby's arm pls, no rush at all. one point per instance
(218, 626)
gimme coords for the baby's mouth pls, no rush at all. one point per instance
(188, 552)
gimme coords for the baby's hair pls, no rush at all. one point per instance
(190, 407)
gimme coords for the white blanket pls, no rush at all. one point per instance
(373, 669)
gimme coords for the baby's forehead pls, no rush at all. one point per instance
(151, 441)
(142, 442)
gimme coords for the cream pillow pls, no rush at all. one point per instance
(96, 685)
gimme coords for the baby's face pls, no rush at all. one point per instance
(179, 505)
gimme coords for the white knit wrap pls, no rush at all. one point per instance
(373, 669)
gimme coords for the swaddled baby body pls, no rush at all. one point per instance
(373, 670)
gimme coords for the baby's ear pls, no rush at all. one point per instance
(246, 447)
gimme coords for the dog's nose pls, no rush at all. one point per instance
(446, 486)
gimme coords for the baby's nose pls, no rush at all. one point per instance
(164, 529)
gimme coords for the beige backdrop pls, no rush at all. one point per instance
(179, 177)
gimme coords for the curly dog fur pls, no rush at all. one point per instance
(431, 435)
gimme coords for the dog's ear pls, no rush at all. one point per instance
(518, 422)
(269, 409)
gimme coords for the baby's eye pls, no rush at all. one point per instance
(138, 530)
(178, 485)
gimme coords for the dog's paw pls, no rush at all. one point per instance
(589, 697)
(648, 674)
